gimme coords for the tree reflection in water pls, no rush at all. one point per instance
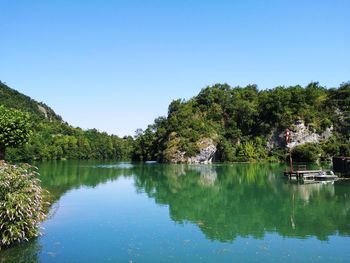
(27, 252)
(224, 201)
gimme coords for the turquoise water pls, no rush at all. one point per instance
(120, 212)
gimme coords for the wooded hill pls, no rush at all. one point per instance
(52, 138)
(241, 121)
(13, 99)
(244, 124)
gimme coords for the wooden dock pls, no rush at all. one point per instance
(318, 175)
(300, 174)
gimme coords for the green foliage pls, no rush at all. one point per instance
(13, 99)
(21, 203)
(14, 129)
(226, 151)
(308, 152)
(51, 138)
(55, 141)
(250, 198)
(241, 121)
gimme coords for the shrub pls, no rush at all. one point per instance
(21, 203)
(308, 152)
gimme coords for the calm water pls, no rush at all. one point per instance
(108, 212)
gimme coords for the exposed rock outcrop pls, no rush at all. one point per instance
(207, 150)
(300, 134)
(276, 139)
(43, 111)
(178, 157)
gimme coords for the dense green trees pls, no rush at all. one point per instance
(241, 122)
(55, 141)
(14, 129)
(51, 138)
(11, 98)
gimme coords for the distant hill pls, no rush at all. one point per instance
(13, 99)
(53, 139)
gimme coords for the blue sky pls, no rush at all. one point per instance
(116, 65)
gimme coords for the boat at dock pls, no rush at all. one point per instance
(314, 175)
(311, 175)
(326, 175)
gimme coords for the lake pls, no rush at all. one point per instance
(123, 212)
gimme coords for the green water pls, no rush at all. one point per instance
(119, 212)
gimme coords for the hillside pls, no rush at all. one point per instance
(247, 124)
(52, 138)
(13, 99)
(221, 123)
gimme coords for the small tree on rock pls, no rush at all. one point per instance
(14, 129)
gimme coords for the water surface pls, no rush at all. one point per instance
(121, 212)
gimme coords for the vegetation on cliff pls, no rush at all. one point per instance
(241, 121)
(244, 123)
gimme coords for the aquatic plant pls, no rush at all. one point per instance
(21, 203)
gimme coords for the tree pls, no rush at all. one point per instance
(14, 129)
(308, 152)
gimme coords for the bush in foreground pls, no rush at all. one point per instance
(21, 201)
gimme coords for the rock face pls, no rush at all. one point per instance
(300, 134)
(43, 111)
(207, 150)
(178, 157)
(276, 139)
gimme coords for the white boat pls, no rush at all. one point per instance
(326, 175)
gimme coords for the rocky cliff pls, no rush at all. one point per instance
(300, 134)
(207, 150)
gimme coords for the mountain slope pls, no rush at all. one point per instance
(13, 99)
(54, 139)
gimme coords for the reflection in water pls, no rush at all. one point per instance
(307, 190)
(224, 201)
(247, 200)
(59, 177)
(27, 252)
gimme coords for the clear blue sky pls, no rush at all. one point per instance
(116, 65)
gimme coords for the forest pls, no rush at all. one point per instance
(239, 120)
(53, 139)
